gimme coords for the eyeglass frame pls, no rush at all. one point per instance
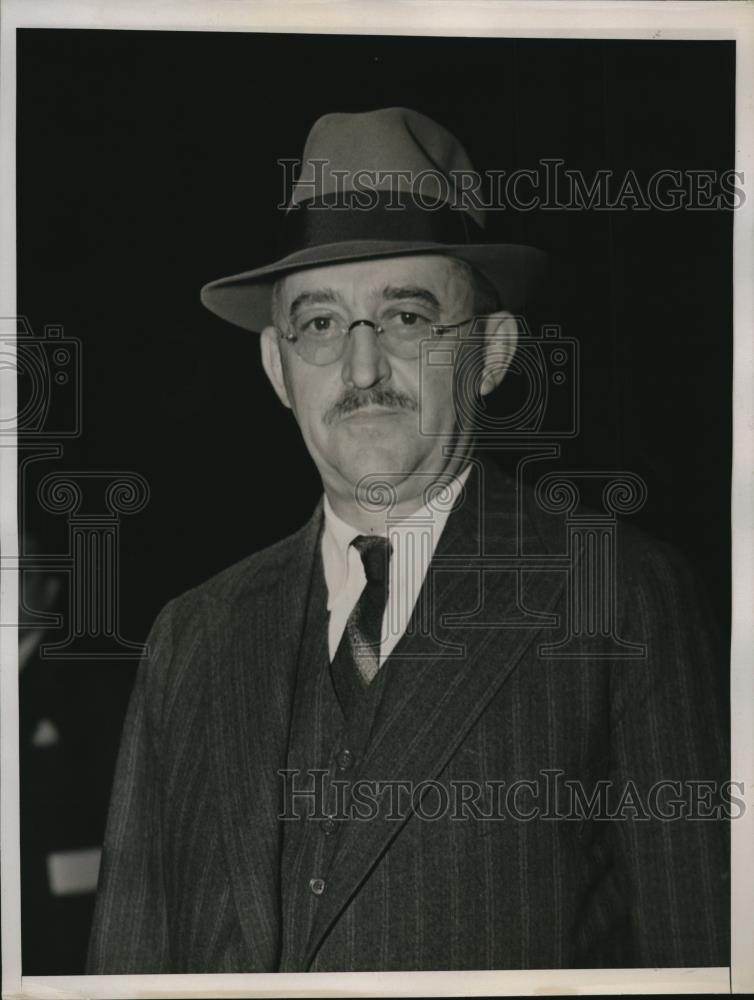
(292, 338)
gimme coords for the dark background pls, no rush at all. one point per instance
(147, 166)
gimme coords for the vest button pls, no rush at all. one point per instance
(317, 886)
(329, 826)
(344, 760)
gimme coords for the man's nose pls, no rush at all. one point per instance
(364, 362)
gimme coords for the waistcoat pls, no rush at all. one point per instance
(332, 719)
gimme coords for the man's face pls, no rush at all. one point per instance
(370, 412)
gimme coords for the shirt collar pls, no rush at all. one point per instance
(338, 535)
(336, 540)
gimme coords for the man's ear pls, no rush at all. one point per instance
(273, 363)
(501, 332)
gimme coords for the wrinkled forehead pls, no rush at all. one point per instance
(432, 278)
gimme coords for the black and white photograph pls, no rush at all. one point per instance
(376, 499)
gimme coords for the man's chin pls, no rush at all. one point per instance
(374, 471)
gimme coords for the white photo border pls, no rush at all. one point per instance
(501, 18)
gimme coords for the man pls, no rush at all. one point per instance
(367, 747)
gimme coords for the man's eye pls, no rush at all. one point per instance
(409, 318)
(319, 326)
(405, 324)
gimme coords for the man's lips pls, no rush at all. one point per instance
(374, 404)
(373, 413)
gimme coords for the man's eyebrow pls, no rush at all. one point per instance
(312, 298)
(393, 292)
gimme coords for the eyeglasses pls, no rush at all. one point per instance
(320, 339)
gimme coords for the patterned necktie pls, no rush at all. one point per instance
(363, 630)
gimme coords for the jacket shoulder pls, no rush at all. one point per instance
(178, 636)
(251, 572)
(180, 623)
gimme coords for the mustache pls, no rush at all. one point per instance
(356, 399)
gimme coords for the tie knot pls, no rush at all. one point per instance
(375, 552)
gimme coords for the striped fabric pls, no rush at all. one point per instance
(191, 874)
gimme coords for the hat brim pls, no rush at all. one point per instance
(244, 299)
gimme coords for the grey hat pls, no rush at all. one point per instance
(379, 184)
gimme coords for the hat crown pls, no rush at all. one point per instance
(372, 185)
(400, 149)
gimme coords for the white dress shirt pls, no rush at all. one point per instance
(414, 540)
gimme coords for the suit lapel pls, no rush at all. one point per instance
(254, 651)
(431, 703)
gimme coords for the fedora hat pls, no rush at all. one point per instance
(382, 183)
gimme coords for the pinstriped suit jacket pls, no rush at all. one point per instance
(190, 880)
